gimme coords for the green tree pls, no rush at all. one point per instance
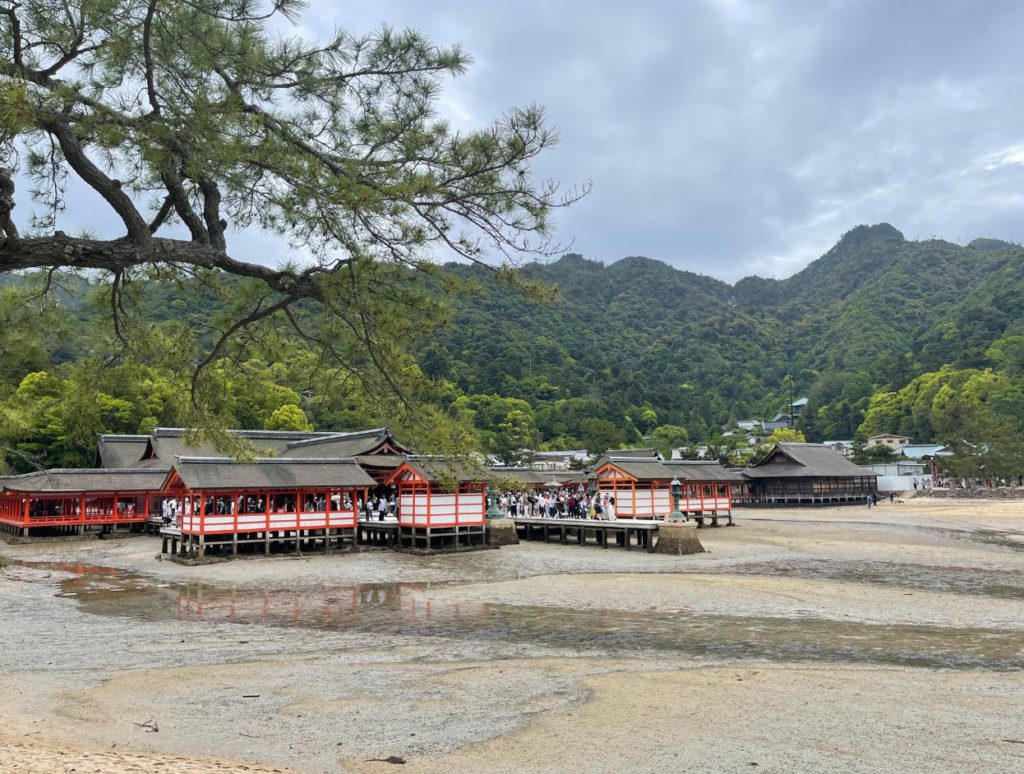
(872, 455)
(665, 438)
(192, 117)
(515, 438)
(288, 417)
(785, 435)
(600, 435)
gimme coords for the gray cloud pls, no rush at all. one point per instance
(732, 137)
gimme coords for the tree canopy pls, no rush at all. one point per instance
(193, 120)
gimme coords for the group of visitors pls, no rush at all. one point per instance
(571, 504)
(172, 509)
(379, 507)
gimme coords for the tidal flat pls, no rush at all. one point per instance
(853, 639)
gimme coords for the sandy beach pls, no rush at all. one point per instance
(852, 639)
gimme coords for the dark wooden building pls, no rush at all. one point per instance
(808, 474)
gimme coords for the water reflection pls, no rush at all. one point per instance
(407, 609)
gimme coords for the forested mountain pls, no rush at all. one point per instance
(872, 332)
(870, 315)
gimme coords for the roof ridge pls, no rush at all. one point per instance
(332, 436)
(265, 460)
(177, 432)
(80, 470)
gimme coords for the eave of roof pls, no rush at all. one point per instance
(84, 481)
(201, 473)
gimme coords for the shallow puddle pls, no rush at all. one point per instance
(402, 609)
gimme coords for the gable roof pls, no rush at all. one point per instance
(534, 477)
(377, 440)
(84, 480)
(703, 470)
(437, 469)
(168, 443)
(267, 473)
(636, 453)
(666, 470)
(918, 451)
(795, 460)
(120, 451)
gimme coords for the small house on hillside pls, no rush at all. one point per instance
(558, 460)
(808, 473)
(778, 421)
(894, 442)
(797, 407)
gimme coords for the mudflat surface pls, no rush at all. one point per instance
(852, 639)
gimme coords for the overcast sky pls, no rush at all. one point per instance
(731, 137)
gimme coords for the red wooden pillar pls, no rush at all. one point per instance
(202, 511)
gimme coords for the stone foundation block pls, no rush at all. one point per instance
(502, 532)
(678, 538)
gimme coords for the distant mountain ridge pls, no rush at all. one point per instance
(632, 332)
(636, 350)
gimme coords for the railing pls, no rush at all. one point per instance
(66, 511)
(272, 521)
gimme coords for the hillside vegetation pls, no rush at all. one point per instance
(925, 338)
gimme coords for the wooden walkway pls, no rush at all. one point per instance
(624, 533)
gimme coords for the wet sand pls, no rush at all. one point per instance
(814, 640)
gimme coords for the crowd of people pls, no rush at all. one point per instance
(561, 504)
(378, 508)
(172, 509)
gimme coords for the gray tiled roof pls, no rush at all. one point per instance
(274, 473)
(640, 453)
(121, 451)
(342, 444)
(795, 460)
(167, 443)
(666, 470)
(85, 480)
(532, 477)
(439, 468)
(701, 470)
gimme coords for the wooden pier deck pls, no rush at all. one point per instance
(621, 532)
